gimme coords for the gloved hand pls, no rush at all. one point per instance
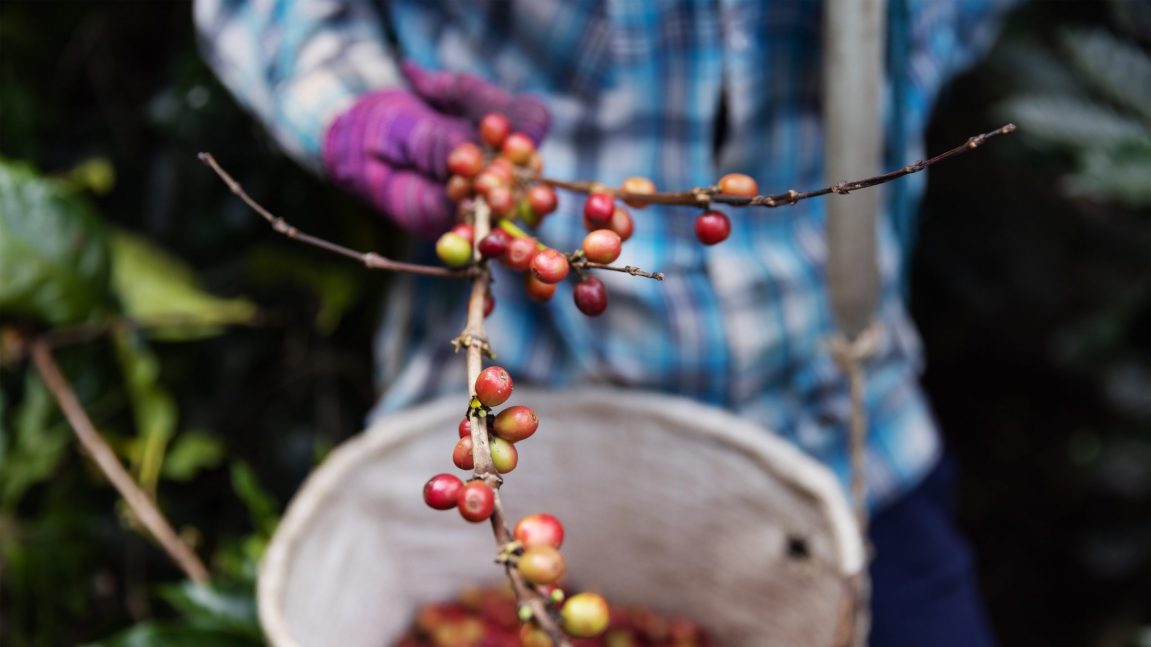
(391, 147)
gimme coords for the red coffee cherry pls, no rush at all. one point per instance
(501, 200)
(462, 454)
(738, 184)
(476, 501)
(465, 230)
(489, 304)
(518, 148)
(712, 227)
(542, 199)
(458, 188)
(505, 456)
(465, 428)
(598, 208)
(590, 296)
(515, 423)
(539, 529)
(585, 615)
(493, 386)
(442, 490)
(494, 128)
(538, 290)
(621, 223)
(486, 181)
(602, 246)
(466, 160)
(495, 244)
(541, 565)
(638, 185)
(520, 253)
(550, 266)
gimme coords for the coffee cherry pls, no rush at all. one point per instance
(533, 636)
(520, 253)
(518, 148)
(454, 250)
(465, 428)
(621, 223)
(466, 160)
(590, 296)
(541, 565)
(738, 184)
(494, 128)
(638, 185)
(602, 246)
(501, 200)
(476, 501)
(465, 230)
(489, 304)
(503, 168)
(538, 290)
(539, 529)
(486, 181)
(462, 454)
(442, 490)
(495, 244)
(585, 615)
(542, 199)
(515, 423)
(493, 386)
(458, 188)
(536, 164)
(550, 266)
(598, 208)
(505, 456)
(712, 227)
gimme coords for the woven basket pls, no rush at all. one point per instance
(667, 503)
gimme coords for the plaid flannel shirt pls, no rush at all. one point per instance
(636, 88)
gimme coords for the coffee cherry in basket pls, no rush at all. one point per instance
(442, 491)
(540, 529)
(515, 423)
(585, 615)
(476, 501)
(493, 386)
(712, 227)
(541, 565)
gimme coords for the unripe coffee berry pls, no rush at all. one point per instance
(494, 128)
(585, 615)
(712, 227)
(738, 184)
(590, 296)
(476, 501)
(602, 246)
(539, 529)
(598, 208)
(550, 266)
(640, 185)
(454, 250)
(442, 491)
(493, 386)
(462, 454)
(515, 423)
(541, 565)
(505, 456)
(467, 231)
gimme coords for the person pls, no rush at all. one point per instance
(375, 95)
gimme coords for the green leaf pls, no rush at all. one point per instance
(262, 508)
(53, 250)
(38, 443)
(160, 291)
(191, 452)
(1119, 69)
(173, 634)
(153, 408)
(1119, 178)
(229, 609)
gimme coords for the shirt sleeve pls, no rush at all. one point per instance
(296, 64)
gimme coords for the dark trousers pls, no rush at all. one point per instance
(924, 592)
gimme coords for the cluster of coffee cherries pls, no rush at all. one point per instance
(487, 617)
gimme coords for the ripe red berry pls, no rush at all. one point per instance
(462, 454)
(489, 304)
(458, 188)
(442, 490)
(494, 128)
(640, 185)
(465, 428)
(598, 208)
(476, 501)
(621, 223)
(454, 250)
(590, 296)
(712, 227)
(486, 181)
(466, 160)
(465, 230)
(515, 423)
(493, 386)
(505, 456)
(520, 253)
(542, 199)
(518, 148)
(541, 565)
(539, 529)
(502, 168)
(501, 200)
(585, 615)
(550, 266)
(538, 290)
(738, 184)
(495, 244)
(602, 246)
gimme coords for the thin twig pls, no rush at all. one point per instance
(703, 196)
(371, 260)
(585, 264)
(141, 504)
(474, 337)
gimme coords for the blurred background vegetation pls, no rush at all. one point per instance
(1031, 284)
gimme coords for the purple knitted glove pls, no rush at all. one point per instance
(391, 147)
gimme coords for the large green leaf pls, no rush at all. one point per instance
(173, 634)
(191, 452)
(53, 250)
(38, 441)
(228, 609)
(160, 291)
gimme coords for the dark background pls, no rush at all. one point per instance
(1033, 304)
